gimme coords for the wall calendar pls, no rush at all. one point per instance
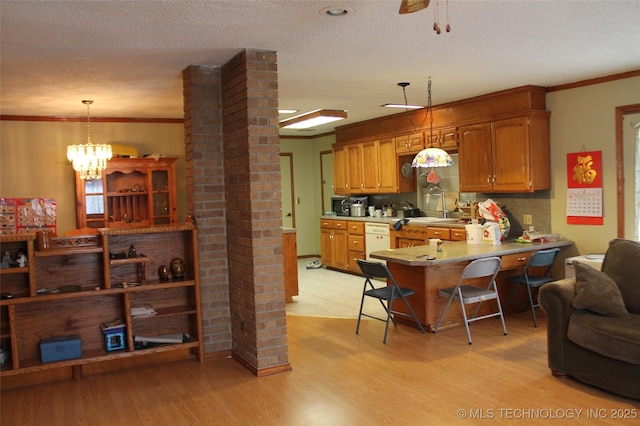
(584, 188)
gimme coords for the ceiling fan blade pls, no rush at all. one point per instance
(410, 6)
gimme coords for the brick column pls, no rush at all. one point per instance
(254, 217)
(206, 199)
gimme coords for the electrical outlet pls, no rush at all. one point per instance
(528, 219)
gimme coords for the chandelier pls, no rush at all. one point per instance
(431, 157)
(89, 159)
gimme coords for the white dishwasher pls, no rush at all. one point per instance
(376, 237)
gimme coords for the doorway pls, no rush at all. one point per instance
(326, 179)
(286, 182)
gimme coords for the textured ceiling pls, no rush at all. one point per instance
(128, 55)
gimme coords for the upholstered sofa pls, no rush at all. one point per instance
(593, 322)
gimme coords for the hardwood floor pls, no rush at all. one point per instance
(339, 378)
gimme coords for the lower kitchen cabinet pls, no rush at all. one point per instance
(356, 244)
(342, 242)
(411, 236)
(81, 283)
(334, 243)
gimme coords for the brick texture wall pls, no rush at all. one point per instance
(204, 145)
(232, 147)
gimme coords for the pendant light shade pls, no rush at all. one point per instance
(89, 159)
(432, 157)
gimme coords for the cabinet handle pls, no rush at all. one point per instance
(494, 179)
(437, 232)
(488, 178)
(522, 259)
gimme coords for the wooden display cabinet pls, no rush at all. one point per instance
(81, 283)
(133, 192)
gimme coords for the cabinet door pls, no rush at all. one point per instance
(326, 247)
(162, 203)
(448, 138)
(413, 143)
(474, 158)
(340, 171)
(369, 163)
(341, 249)
(355, 168)
(90, 197)
(387, 166)
(510, 154)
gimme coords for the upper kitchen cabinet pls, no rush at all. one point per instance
(510, 155)
(410, 144)
(380, 166)
(348, 169)
(340, 170)
(444, 138)
(133, 192)
(355, 180)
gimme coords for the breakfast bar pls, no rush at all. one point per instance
(426, 270)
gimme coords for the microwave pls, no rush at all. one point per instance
(340, 206)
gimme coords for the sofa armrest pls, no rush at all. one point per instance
(555, 301)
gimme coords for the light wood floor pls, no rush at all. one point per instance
(338, 378)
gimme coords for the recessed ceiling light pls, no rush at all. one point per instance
(334, 11)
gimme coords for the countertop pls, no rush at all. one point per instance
(288, 230)
(456, 251)
(392, 220)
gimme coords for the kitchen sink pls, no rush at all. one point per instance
(429, 219)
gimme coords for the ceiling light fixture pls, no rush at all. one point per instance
(431, 157)
(313, 118)
(335, 11)
(287, 111)
(406, 105)
(89, 159)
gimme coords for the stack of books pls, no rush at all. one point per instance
(143, 311)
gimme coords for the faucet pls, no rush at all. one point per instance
(445, 212)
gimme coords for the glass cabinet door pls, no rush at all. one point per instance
(161, 200)
(94, 203)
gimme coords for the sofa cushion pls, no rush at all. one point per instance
(617, 338)
(622, 264)
(596, 292)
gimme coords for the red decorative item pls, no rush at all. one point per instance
(584, 188)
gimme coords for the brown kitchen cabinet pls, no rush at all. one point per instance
(411, 236)
(380, 166)
(438, 233)
(334, 245)
(290, 257)
(340, 170)
(409, 144)
(445, 138)
(510, 155)
(458, 234)
(356, 243)
(355, 178)
(133, 192)
(78, 285)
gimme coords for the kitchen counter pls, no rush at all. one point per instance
(458, 251)
(426, 277)
(413, 221)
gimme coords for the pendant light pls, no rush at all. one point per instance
(89, 159)
(431, 157)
